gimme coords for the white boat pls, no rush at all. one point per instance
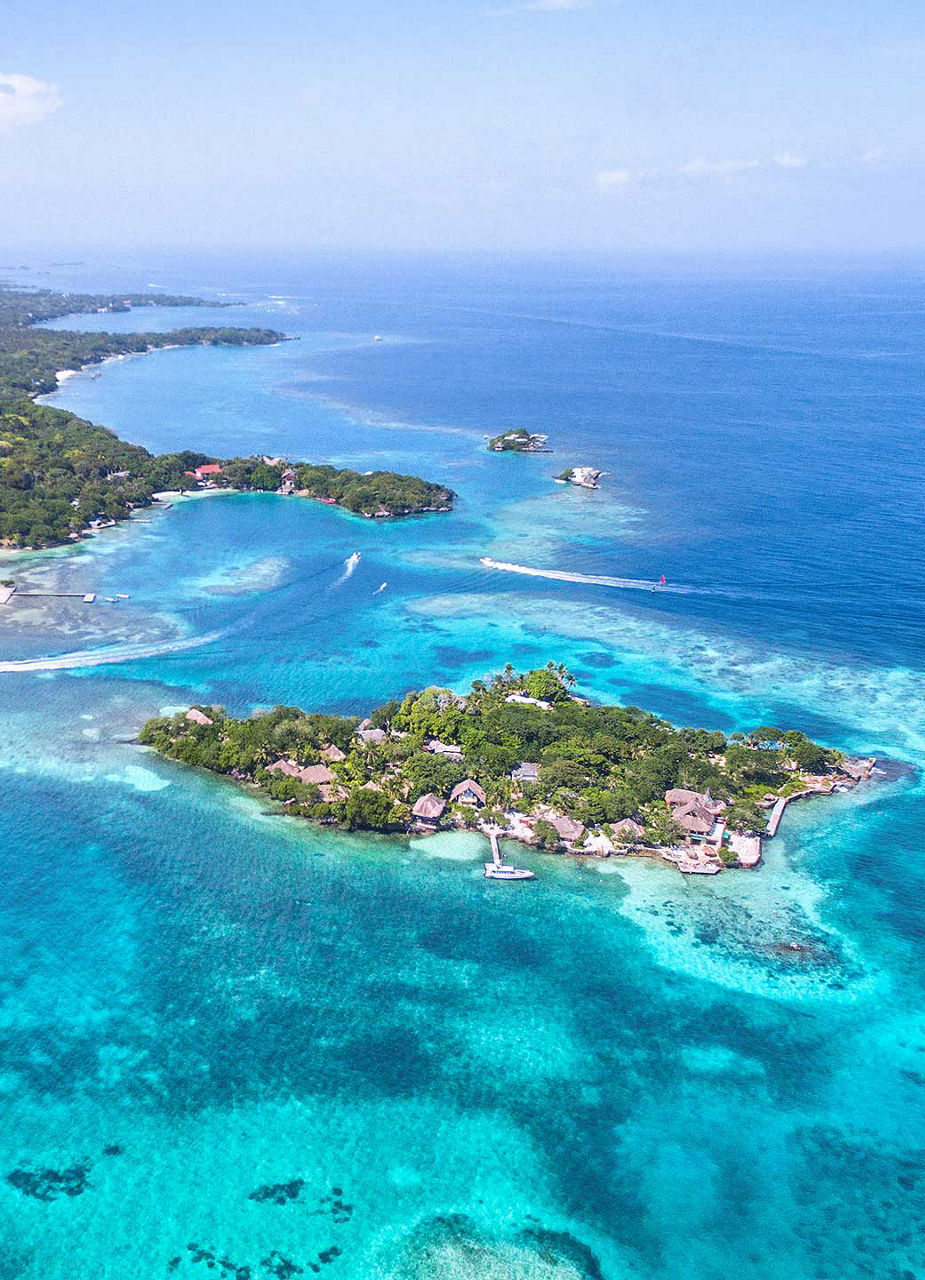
(496, 871)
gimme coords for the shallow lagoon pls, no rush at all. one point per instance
(611, 1071)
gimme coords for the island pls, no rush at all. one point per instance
(524, 757)
(62, 478)
(31, 357)
(584, 477)
(518, 441)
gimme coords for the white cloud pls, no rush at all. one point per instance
(607, 179)
(788, 161)
(871, 156)
(25, 100)
(716, 168)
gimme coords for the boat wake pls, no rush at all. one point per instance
(107, 656)
(594, 579)
(350, 565)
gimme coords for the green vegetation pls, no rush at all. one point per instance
(598, 765)
(379, 493)
(59, 474)
(518, 441)
(31, 356)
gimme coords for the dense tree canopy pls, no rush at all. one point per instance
(58, 473)
(598, 764)
(31, 356)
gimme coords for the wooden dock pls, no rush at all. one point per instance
(776, 814)
(495, 848)
(781, 804)
(497, 869)
(86, 596)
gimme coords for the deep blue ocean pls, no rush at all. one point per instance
(614, 1071)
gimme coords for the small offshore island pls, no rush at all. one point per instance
(523, 757)
(584, 477)
(62, 478)
(518, 441)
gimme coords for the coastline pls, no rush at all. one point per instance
(438, 760)
(621, 1070)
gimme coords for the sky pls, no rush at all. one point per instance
(511, 125)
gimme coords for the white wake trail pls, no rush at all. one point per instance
(105, 657)
(595, 579)
(350, 565)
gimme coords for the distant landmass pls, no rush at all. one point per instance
(31, 357)
(61, 476)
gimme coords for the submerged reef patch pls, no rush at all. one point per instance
(49, 1184)
(562, 1245)
(331, 1202)
(278, 1192)
(441, 1248)
(600, 660)
(864, 1189)
(227, 1269)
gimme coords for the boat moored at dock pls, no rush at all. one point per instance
(497, 869)
(501, 871)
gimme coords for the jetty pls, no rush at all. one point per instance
(498, 869)
(853, 770)
(7, 593)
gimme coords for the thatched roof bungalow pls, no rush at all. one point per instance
(313, 774)
(627, 831)
(287, 767)
(317, 774)
(569, 829)
(468, 792)
(428, 808)
(331, 791)
(695, 819)
(678, 796)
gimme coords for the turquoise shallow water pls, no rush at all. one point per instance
(615, 1072)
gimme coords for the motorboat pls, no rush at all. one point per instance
(496, 871)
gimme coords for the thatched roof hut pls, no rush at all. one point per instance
(627, 830)
(678, 795)
(694, 818)
(198, 717)
(287, 767)
(428, 808)
(570, 829)
(317, 774)
(467, 792)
